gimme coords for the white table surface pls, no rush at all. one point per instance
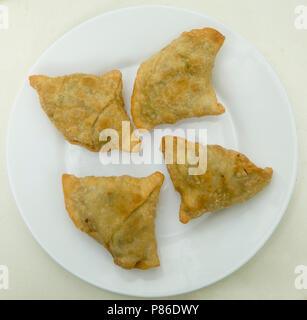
(269, 24)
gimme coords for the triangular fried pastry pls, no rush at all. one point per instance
(118, 212)
(175, 83)
(82, 105)
(229, 177)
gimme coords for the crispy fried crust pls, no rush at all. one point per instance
(81, 106)
(175, 83)
(230, 178)
(118, 212)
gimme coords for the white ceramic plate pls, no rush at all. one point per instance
(258, 122)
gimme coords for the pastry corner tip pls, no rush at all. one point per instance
(269, 171)
(221, 108)
(159, 177)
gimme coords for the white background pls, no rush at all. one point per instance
(269, 25)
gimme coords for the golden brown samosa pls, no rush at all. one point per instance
(229, 178)
(118, 212)
(175, 83)
(82, 105)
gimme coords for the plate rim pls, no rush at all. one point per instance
(292, 121)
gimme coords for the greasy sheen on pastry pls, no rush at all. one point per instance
(118, 212)
(82, 105)
(230, 178)
(175, 83)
